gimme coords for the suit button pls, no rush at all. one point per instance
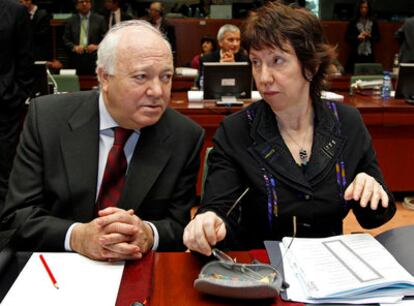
(307, 197)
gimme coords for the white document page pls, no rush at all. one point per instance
(296, 291)
(81, 281)
(346, 266)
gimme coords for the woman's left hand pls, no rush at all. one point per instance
(366, 189)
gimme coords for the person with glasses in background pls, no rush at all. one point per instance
(292, 160)
(83, 33)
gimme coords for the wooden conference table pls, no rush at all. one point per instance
(167, 278)
(390, 123)
(160, 279)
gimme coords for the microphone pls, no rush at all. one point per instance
(55, 86)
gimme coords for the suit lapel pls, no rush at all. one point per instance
(327, 144)
(91, 28)
(76, 29)
(80, 147)
(151, 155)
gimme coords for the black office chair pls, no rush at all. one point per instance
(67, 83)
(368, 68)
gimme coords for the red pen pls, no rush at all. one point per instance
(49, 272)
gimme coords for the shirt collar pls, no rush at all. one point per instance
(33, 11)
(87, 15)
(158, 22)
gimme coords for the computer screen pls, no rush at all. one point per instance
(221, 11)
(227, 80)
(40, 85)
(405, 82)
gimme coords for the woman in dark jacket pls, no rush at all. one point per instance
(361, 34)
(299, 161)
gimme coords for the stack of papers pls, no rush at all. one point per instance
(81, 281)
(353, 269)
(186, 72)
(370, 84)
(331, 96)
(198, 95)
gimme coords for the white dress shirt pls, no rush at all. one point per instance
(32, 12)
(117, 15)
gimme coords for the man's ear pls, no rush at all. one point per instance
(103, 78)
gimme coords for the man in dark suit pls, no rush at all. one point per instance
(40, 26)
(60, 170)
(113, 13)
(228, 38)
(83, 33)
(405, 36)
(156, 18)
(15, 81)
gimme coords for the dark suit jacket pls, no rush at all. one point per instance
(168, 30)
(53, 182)
(248, 146)
(215, 57)
(107, 14)
(40, 25)
(405, 36)
(96, 31)
(16, 58)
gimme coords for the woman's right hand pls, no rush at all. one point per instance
(203, 232)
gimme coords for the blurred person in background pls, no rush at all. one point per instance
(157, 19)
(16, 61)
(208, 45)
(405, 36)
(362, 32)
(83, 33)
(113, 13)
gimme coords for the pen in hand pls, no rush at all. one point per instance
(49, 272)
(237, 202)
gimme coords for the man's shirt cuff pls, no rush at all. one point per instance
(67, 237)
(156, 236)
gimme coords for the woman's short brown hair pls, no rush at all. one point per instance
(275, 24)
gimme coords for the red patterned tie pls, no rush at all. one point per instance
(114, 175)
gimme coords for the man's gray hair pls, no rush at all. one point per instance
(226, 28)
(108, 47)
